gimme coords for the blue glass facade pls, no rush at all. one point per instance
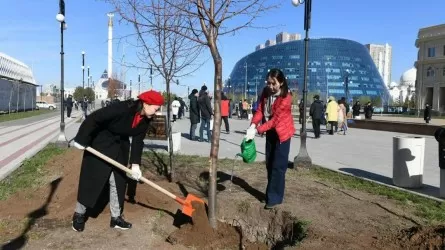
(331, 60)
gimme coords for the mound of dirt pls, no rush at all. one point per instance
(191, 235)
(424, 237)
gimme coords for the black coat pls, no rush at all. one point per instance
(316, 110)
(356, 110)
(427, 113)
(69, 102)
(108, 130)
(195, 115)
(204, 105)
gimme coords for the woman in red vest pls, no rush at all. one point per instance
(225, 107)
(274, 112)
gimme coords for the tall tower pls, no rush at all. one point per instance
(110, 44)
(382, 57)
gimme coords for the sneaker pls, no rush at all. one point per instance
(119, 223)
(78, 222)
(267, 206)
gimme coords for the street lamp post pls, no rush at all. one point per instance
(83, 69)
(245, 83)
(62, 141)
(88, 77)
(139, 83)
(347, 86)
(303, 159)
(151, 77)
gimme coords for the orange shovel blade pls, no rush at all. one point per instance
(187, 207)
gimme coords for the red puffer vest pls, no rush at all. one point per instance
(282, 120)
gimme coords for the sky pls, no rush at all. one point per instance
(30, 33)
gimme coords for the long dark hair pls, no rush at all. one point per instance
(279, 75)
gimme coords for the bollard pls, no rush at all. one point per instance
(440, 137)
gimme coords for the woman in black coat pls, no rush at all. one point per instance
(195, 116)
(427, 113)
(108, 130)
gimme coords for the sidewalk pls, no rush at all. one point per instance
(364, 153)
(23, 140)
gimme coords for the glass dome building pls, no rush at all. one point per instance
(332, 62)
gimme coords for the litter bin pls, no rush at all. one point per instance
(408, 160)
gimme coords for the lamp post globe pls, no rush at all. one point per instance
(296, 3)
(60, 17)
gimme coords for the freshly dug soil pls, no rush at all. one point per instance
(424, 237)
(202, 236)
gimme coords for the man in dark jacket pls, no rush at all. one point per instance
(108, 130)
(206, 111)
(369, 110)
(194, 113)
(69, 105)
(301, 111)
(316, 112)
(84, 106)
(427, 113)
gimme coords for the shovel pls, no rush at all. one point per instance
(187, 208)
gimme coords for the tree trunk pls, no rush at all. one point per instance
(215, 135)
(170, 173)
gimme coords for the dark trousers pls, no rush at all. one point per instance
(277, 155)
(333, 124)
(131, 189)
(68, 111)
(174, 118)
(316, 126)
(192, 130)
(205, 124)
(226, 123)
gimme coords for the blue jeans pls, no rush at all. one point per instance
(277, 155)
(205, 124)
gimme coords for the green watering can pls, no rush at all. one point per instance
(248, 151)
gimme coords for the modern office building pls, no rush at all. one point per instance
(332, 61)
(430, 66)
(382, 57)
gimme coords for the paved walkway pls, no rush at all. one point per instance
(365, 153)
(22, 139)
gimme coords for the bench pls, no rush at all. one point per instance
(158, 131)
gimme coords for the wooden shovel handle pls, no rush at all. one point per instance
(127, 170)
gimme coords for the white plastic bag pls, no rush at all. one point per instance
(211, 124)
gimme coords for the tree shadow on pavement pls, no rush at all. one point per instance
(425, 189)
(222, 177)
(32, 217)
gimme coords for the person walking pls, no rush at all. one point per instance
(175, 108)
(69, 106)
(194, 113)
(427, 113)
(275, 110)
(225, 107)
(316, 112)
(108, 130)
(369, 110)
(301, 111)
(85, 106)
(332, 113)
(205, 108)
(356, 110)
(342, 119)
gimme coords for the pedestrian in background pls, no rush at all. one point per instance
(316, 113)
(332, 113)
(195, 115)
(69, 106)
(427, 113)
(225, 107)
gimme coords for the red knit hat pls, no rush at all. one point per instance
(152, 97)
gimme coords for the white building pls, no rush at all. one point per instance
(405, 88)
(382, 57)
(431, 67)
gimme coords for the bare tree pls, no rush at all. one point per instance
(159, 30)
(205, 21)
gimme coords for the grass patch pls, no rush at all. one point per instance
(430, 210)
(27, 175)
(21, 115)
